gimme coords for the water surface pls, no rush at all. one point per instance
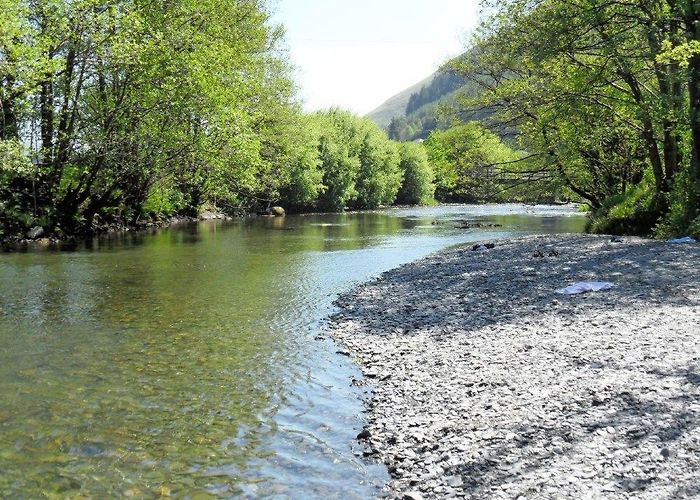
(188, 361)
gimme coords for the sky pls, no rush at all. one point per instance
(356, 54)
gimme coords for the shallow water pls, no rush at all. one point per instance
(188, 361)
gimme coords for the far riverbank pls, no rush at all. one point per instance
(489, 384)
(39, 238)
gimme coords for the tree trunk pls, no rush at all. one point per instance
(692, 22)
(46, 112)
(8, 127)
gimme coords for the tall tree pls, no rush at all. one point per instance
(591, 89)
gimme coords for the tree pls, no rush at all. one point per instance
(466, 161)
(123, 100)
(417, 187)
(360, 164)
(587, 86)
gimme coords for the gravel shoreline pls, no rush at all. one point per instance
(487, 384)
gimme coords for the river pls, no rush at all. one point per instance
(191, 361)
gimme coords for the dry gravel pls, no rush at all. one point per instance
(487, 384)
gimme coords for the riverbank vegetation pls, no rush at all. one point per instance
(123, 111)
(605, 97)
(474, 165)
(113, 109)
(120, 112)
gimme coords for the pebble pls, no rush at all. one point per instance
(488, 384)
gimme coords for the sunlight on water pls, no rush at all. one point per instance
(186, 362)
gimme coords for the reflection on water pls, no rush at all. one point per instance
(186, 361)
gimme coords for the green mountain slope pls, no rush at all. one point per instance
(396, 105)
(415, 112)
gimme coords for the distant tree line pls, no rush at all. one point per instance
(443, 83)
(435, 107)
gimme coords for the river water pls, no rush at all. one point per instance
(191, 361)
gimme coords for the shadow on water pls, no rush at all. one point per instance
(183, 360)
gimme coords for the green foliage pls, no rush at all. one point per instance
(139, 109)
(636, 211)
(302, 184)
(680, 219)
(467, 162)
(340, 170)
(694, 228)
(379, 177)
(360, 165)
(163, 201)
(133, 108)
(417, 187)
(17, 176)
(605, 95)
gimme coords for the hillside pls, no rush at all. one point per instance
(396, 105)
(418, 110)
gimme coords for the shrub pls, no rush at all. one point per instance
(636, 211)
(417, 187)
(682, 218)
(17, 184)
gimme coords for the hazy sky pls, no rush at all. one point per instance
(358, 53)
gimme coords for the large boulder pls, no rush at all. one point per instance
(277, 211)
(35, 233)
(209, 215)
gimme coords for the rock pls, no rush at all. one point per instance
(364, 435)
(412, 495)
(35, 233)
(277, 211)
(455, 481)
(208, 215)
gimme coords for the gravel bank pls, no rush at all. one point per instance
(487, 384)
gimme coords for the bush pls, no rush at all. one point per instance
(163, 201)
(682, 218)
(359, 163)
(17, 176)
(379, 178)
(636, 211)
(417, 187)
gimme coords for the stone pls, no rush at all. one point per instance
(277, 211)
(412, 495)
(35, 233)
(455, 481)
(498, 382)
(364, 435)
(209, 215)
